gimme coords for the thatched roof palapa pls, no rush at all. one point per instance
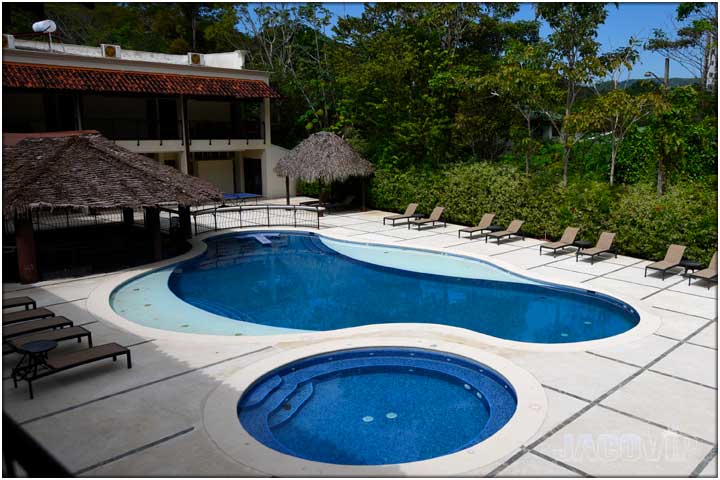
(89, 171)
(323, 156)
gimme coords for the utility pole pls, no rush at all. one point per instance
(667, 72)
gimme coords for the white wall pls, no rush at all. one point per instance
(273, 184)
(217, 172)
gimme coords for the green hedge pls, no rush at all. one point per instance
(645, 224)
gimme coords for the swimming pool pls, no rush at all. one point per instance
(266, 283)
(376, 406)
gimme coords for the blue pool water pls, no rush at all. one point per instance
(376, 406)
(300, 282)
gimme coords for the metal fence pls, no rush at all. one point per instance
(60, 219)
(220, 218)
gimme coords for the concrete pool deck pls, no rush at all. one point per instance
(645, 408)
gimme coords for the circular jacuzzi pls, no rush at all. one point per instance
(365, 406)
(377, 406)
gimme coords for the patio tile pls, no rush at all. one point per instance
(679, 405)
(200, 459)
(580, 373)
(582, 266)
(677, 325)
(531, 465)
(339, 221)
(627, 261)
(607, 444)
(698, 364)
(635, 275)
(527, 258)
(405, 233)
(560, 408)
(438, 241)
(62, 291)
(681, 302)
(369, 227)
(343, 231)
(489, 249)
(697, 288)
(551, 273)
(621, 288)
(707, 337)
(374, 237)
(640, 352)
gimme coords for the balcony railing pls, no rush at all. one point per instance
(139, 130)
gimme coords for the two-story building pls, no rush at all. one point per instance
(205, 114)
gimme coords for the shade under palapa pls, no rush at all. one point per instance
(89, 171)
(323, 156)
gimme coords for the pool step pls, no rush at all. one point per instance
(264, 238)
(296, 400)
(261, 392)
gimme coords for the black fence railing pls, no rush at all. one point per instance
(65, 218)
(137, 130)
(243, 130)
(221, 218)
(21, 450)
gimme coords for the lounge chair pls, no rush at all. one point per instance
(485, 222)
(672, 259)
(512, 230)
(603, 245)
(25, 315)
(59, 335)
(344, 205)
(567, 239)
(409, 213)
(65, 361)
(33, 326)
(13, 302)
(432, 219)
(708, 274)
(320, 202)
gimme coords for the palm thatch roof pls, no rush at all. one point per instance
(87, 170)
(323, 156)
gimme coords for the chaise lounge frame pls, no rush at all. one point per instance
(407, 215)
(513, 230)
(432, 219)
(485, 222)
(603, 245)
(672, 259)
(567, 239)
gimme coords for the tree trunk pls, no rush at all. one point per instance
(566, 158)
(660, 176)
(613, 156)
(527, 151)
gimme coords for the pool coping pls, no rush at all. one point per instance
(98, 304)
(224, 428)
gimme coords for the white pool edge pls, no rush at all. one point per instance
(98, 304)
(224, 428)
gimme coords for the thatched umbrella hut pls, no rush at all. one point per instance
(87, 171)
(322, 156)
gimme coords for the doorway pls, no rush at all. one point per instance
(252, 171)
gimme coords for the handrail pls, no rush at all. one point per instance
(268, 219)
(20, 447)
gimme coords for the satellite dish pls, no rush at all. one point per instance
(44, 26)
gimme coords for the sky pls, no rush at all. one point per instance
(624, 21)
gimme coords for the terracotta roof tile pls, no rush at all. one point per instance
(21, 75)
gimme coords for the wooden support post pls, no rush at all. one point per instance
(128, 217)
(363, 195)
(185, 223)
(25, 243)
(287, 190)
(152, 223)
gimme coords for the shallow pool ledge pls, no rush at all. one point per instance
(99, 305)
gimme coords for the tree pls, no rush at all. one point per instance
(614, 114)
(696, 41)
(523, 79)
(573, 53)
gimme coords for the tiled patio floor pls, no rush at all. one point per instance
(642, 409)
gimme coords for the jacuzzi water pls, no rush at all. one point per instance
(265, 283)
(376, 406)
